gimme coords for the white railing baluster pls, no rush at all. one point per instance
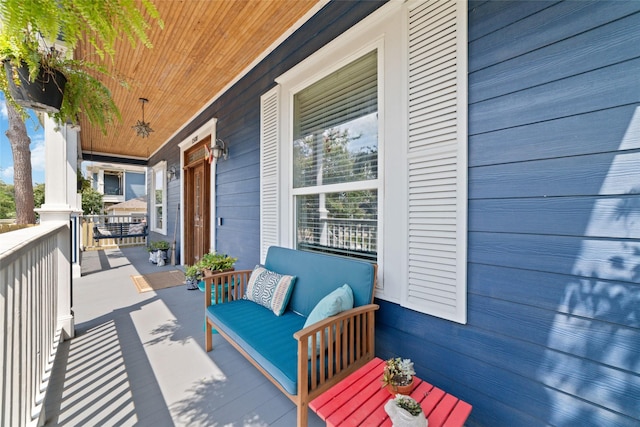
(29, 319)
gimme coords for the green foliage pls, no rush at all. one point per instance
(101, 22)
(38, 195)
(92, 203)
(193, 272)
(409, 404)
(216, 262)
(83, 183)
(339, 164)
(30, 30)
(397, 372)
(162, 245)
(7, 201)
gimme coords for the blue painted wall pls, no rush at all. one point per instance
(134, 185)
(553, 332)
(238, 115)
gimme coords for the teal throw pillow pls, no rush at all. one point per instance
(269, 289)
(336, 302)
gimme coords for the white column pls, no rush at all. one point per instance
(60, 205)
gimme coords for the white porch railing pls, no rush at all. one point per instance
(342, 236)
(86, 231)
(34, 292)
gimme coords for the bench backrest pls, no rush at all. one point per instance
(319, 274)
(120, 229)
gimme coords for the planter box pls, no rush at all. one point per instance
(156, 255)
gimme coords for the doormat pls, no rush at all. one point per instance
(161, 280)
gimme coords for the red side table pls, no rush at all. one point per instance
(359, 400)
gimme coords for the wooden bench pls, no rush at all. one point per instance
(119, 230)
(302, 362)
(359, 399)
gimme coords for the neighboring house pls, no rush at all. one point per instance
(118, 182)
(135, 208)
(484, 155)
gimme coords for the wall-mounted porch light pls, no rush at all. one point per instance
(172, 173)
(220, 149)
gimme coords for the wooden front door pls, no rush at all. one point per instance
(197, 201)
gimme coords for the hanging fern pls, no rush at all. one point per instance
(29, 27)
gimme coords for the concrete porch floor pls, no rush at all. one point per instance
(138, 358)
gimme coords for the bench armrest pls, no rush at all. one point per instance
(225, 286)
(346, 340)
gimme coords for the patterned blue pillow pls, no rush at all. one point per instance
(269, 289)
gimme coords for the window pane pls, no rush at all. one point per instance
(159, 216)
(112, 185)
(159, 197)
(343, 223)
(336, 127)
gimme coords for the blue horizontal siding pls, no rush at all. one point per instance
(565, 294)
(487, 17)
(555, 254)
(596, 48)
(589, 216)
(548, 26)
(599, 131)
(566, 176)
(599, 89)
(553, 331)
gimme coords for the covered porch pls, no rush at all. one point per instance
(139, 359)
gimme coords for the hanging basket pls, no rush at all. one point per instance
(44, 94)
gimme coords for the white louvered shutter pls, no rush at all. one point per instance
(269, 183)
(437, 159)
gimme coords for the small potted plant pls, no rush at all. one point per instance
(158, 250)
(214, 262)
(397, 376)
(193, 274)
(406, 412)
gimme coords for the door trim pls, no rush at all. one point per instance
(208, 129)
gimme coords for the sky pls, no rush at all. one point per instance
(35, 132)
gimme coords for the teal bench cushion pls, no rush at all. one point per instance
(267, 338)
(317, 275)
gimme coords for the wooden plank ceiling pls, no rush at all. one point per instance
(204, 46)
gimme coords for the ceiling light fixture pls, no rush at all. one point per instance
(142, 128)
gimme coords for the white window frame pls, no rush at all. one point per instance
(159, 167)
(387, 30)
(304, 76)
(376, 32)
(374, 184)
